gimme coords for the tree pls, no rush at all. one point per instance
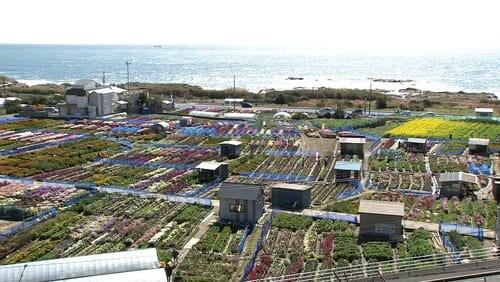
(381, 103)
(12, 107)
(280, 99)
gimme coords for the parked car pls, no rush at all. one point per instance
(405, 113)
(428, 114)
(325, 113)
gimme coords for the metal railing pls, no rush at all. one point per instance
(378, 269)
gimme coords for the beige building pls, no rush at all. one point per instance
(381, 220)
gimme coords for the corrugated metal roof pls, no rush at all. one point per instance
(239, 115)
(290, 186)
(343, 165)
(212, 165)
(417, 140)
(382, 207)
(479, 141)
(457, 176)
(230, 190)
(231, 142)
(84, 266)
(237, 100)
(483, 110)
(352, 140)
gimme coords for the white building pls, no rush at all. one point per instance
(86, 98)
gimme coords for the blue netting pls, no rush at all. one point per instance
(260, 244)
(350, 192)
(451, 247)
(248, 231)
(11, 119)
(485, 169)
(276, 176)
(474, 231)
(473, 168)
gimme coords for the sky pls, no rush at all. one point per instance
(328, 24)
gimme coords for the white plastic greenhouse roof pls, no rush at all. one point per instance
(211, 165)
(81, 267)
(231, 142)
(150, 275)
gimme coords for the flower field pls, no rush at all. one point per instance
(441, 128)
(105, 223)
(403, 181)
(63, 156)
(29, 124)
(215, 257)
(399, 162)
(296, 244)
(36, 198)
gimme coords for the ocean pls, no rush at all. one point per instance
(255, 68)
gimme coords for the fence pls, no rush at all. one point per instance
(37, 146)
(265, 229)
(275, 176)
(477, 232)
(153, 165)
(413, 268)
(351, 218)
(52, 212)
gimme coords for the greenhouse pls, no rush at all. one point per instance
(95, 267)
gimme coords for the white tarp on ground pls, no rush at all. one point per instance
(283, 115)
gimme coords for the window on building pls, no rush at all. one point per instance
(236, 208)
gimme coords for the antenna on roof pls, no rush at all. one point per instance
(103, 78)
(234, 92)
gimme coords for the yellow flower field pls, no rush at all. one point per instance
(441, 128)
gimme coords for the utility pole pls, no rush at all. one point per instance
(128, 75)
(370, 98)
(103, 78)
(234, 93)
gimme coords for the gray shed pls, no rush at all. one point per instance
(458, 184)
(478, 145)
(290, 196)
(161, 126)
(417, 145)
(230, 149)
(381, 220)
(185, 121)
(496, 188)
(352, 145)
(210, 171)
(240, 203)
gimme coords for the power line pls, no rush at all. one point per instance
(127, 63)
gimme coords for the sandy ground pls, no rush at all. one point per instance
(5, 224)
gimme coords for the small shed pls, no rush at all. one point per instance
(478, 145)
(232, 101)
(161, 126)
(167, 105)
(345, 170)
(496, 188)
(290, 196)
(185, 121)
(352, 145)
(484, 112)
(458, 184)
(240, 203)
(210, 171)
(381, 220)
(230, 149)
(416, 145)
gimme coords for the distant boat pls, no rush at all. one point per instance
(157, 46)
